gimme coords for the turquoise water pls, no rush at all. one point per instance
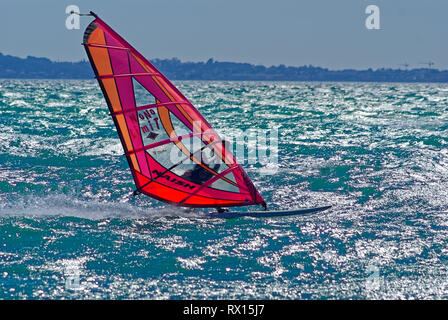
(70, 229)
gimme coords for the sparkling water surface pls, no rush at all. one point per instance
(70, 228)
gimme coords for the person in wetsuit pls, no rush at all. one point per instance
(199, 175)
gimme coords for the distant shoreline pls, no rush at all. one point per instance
(32, 68)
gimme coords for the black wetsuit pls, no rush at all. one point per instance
(199, 175)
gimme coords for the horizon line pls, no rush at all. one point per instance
(212, 60)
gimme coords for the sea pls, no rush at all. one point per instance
(377, 152)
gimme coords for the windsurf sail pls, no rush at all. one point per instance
(174, 154)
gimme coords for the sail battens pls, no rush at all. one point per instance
(155, 121)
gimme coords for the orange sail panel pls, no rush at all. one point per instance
(173, 153)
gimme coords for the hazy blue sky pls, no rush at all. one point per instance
(328, 33)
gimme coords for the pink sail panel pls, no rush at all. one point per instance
(173, 153)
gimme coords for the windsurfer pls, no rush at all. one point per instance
(199, 174)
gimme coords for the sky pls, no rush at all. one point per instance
(326, 33)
